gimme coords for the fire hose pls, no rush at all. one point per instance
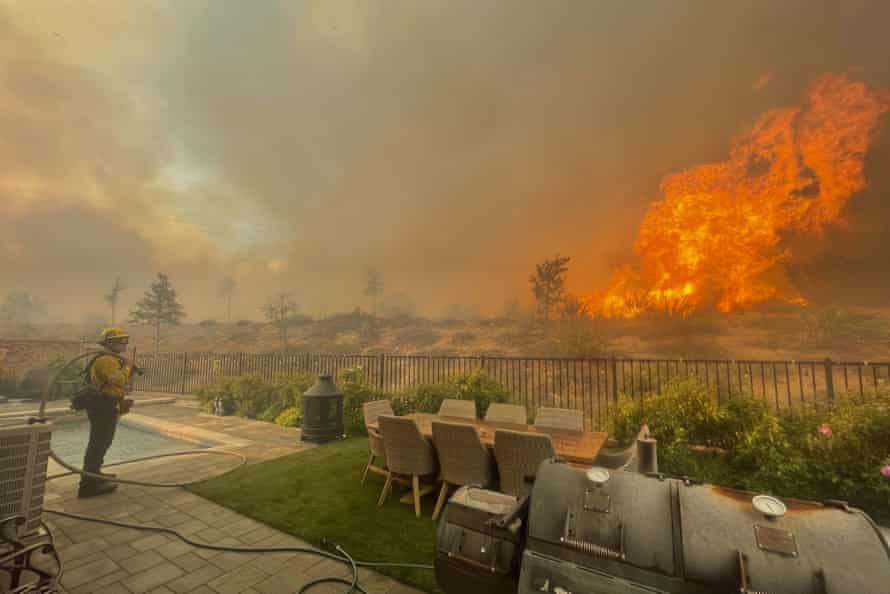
(340, 554)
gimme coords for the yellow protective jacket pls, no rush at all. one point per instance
(110, 375)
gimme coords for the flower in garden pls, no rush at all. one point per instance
(825, 430)
(885, 470)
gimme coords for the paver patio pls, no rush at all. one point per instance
(109, 559)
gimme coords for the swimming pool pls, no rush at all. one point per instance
(70, 436)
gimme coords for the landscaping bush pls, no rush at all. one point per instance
(476, 385)
(356, 391)
(685, 410)
(820, 452)
(290, 417)
(254, 397)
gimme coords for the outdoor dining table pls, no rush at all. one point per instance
(577, 447)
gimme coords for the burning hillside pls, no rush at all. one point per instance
(717, 237)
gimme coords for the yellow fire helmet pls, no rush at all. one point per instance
(113, 333)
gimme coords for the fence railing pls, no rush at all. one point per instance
(591, 385)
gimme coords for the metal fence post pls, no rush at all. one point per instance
(482, 362)
(185, 362)
(829, 378)
(240, 363)
(613, 368)
(381, 366)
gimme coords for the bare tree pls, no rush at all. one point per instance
(374, 288)
(278, 310)
(114, 295)
(548, 283)
(226, 291)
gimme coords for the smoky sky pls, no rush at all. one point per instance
(450, 145)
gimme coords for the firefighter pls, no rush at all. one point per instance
(109, 377)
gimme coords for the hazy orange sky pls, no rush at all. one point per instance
(451, 144)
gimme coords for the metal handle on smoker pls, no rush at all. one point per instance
(506, 521)
(591, 547)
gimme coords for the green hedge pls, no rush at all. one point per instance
(476, 386)
(253, 397)
(841, 451)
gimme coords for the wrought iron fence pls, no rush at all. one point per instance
(591, 385)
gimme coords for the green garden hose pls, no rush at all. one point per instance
(342, 557)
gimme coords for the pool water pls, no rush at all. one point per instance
(69, 442)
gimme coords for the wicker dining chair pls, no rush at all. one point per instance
(408, 454)
(560, 418)
(506, 413)
(465, 409)
(622, 459)
(372, 411)
(518, 455)
(375, 450)
(463, 460)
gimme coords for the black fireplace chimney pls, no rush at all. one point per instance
(322, 412)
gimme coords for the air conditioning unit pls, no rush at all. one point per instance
(24, 453)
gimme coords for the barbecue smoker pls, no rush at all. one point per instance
(616, 532)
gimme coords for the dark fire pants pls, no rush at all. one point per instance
(103, 421)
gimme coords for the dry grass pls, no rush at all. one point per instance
(770, 333)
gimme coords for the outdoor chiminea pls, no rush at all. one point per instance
(322, 412)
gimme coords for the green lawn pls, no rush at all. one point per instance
(316, 494)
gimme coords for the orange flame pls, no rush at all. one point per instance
(715, 237)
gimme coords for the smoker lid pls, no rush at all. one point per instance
(781, 553)
(630, 513)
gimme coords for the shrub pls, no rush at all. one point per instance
(356, 391)
(816, 452)
(476, 386)
(253, 397)
(290, 417)
(685, 410)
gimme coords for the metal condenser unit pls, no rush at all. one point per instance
(599, 531)
(24, 454)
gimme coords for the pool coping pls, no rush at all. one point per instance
(59, 411)
(197, 435)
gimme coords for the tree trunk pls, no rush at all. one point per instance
(157, 336)
(112, 312)
(229, 311)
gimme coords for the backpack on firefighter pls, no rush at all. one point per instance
(87, 395)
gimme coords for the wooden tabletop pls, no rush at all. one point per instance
(580, 447)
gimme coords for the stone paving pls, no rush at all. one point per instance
(108, 559)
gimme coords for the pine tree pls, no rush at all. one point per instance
(158, 306)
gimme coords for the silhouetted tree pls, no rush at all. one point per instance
(278, 310)
(548, 283)
(158, 306)
(113, 296)
(373, 287)
(226, 291)
(20, 310)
